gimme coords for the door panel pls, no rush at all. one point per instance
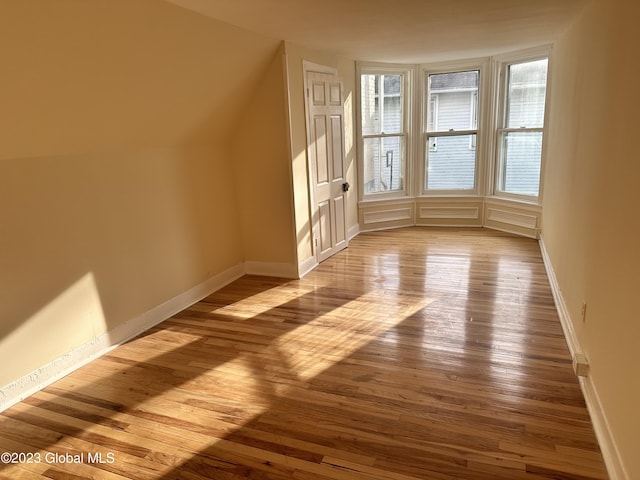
(335, 94)
(326, 157)
(318, 88)
(322, 158)
(337, 147)
(325, 224)
(340, 231)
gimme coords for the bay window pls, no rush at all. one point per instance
(466, 147)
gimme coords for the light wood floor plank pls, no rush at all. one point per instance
(418, 353)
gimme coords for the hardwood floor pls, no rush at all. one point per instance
(414, 354)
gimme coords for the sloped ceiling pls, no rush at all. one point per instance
(399, 30)
(87, 76)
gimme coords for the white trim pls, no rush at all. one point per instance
(565, 320)
(516, 219)
(354, 231)
(44, 376)
(387, 227)
(311, 263)
(606, 440)
(307, 266)
(287, 101)
(308, 66)
(271, 269)
(463, 212)
(525, 55)
(502, 64)
(390, 215)
(514, 203)
(481, 65)
(407, 93)
(449, 225)
(514, 231)
(376, 202)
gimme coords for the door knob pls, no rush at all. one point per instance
(345, 187)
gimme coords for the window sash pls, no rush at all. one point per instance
(511, 167)
(376, 104)
(385, 174)
(450, 133)
(519, 175)
(385, 141)
(450, 158)
(453, 166)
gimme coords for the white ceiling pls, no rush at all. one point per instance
(399, 30)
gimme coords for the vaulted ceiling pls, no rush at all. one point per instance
(399, 30)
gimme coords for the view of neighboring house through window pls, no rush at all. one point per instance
(520, 135)
(451, 130)
(383, 132)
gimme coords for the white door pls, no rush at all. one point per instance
(325, 116)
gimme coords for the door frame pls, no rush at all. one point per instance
(308, 67)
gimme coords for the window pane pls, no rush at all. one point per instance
(392, 114)
(383, 164)
(381, 116)
(392, 84)
(451, 162)
(369, 104)
(526, 95)
(521, 153)
(453, 101)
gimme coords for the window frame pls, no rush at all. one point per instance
(434, 117)
(501, 66)
(474, 107)
(407, 74)
(481, 66)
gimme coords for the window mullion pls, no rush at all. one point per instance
(520, 129)
(385, 135)
(451, 133)
(381, 103)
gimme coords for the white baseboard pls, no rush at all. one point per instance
(610, 452)
(271, 269)
(532, 233)
(353, 231)
(565, 320)
(306, 266)
(67, 363)
(310, 263)
(44, 376)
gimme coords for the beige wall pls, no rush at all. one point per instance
(263, 173)
(118, 188)
(590, 222)
(295, 56)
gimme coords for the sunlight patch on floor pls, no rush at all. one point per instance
(262, 302)
(340, 333)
